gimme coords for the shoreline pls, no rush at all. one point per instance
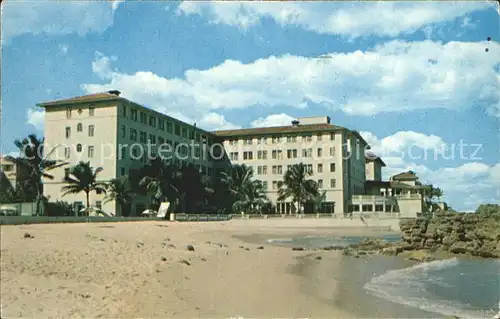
(144, 269)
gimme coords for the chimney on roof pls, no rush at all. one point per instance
(114, 92)
(295, 123)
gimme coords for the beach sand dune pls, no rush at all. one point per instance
(144, 269)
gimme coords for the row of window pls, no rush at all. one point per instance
(143, 136)
(278, 139)
(79, 128)
(277, 184)
(278, 154)
(278, 169)
(79, 148)
(162, 124)
(69, 111)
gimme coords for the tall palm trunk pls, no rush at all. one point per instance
(88, 201)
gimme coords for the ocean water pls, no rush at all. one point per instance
(452, 287)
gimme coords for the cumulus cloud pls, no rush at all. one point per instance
(215, 121)
(273, 120)
(55, 17)
(393, 77)
(36, 118)
(465, 186)
(380, 18)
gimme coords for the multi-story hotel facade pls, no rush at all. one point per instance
(334, 156)
(117, 135)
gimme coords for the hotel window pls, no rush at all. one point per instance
(264, 184)
(68, 132)
(124, 131)
(307, 138)
(259, 154)
(184, 132)
(122, 171)
(310, 168)
(197, 137)
(259, 170)
(276, 139)
(247, 141)
(264, 154)
(320, 183)
(307, 152)
(133, 114)
(152, 138)
(264, 170)
(91, 130)
(320, 152)
(152, 121)
(161, 140)
(288, 167)
(90, 151)
(319, 136)
(79, 148)
(177, 130)
(320, 168)
(332, 167)
(332, 136)
(333, 183)
(261, 140)
(124, 111)
(133, 134)
(275, 169)
(280, 169)
(161, 124)
(123, 153)
(142, 137)
(67, 151)
(66, 173)
(233, 156)
(275, 185)
(98, 204)
(332, 151)
(291, 153)
(169, 127)
(291, 139)
(79, 127)
(91, 110)
(68, 113)
(144, 118)
(247, 155)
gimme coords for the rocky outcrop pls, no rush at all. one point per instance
(453, 233)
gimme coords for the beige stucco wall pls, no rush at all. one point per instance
(324, 143)
(103, 141)
(373, 171)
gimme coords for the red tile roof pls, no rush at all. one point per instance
(97, 97)
(405, 176)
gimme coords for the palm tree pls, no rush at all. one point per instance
(252, 197)
(119, 190)
(33, 167)
(297, 186)
(236, 182)
(161, 181)
(318, 200)
(83, 178)
(437, 192)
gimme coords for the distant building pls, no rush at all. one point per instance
(9, 172)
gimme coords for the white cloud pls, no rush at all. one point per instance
(394, 77)
(465, 186)
(273, 120)
(381, 18)
(215, 121)
(55, 17)
(36, 118)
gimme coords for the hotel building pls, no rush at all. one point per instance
(117, 135)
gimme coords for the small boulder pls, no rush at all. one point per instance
(189, 248)
(297, 248)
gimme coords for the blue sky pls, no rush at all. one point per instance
(412, 77)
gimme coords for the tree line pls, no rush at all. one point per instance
(233, 190)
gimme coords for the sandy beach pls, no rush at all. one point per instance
(143, 269)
